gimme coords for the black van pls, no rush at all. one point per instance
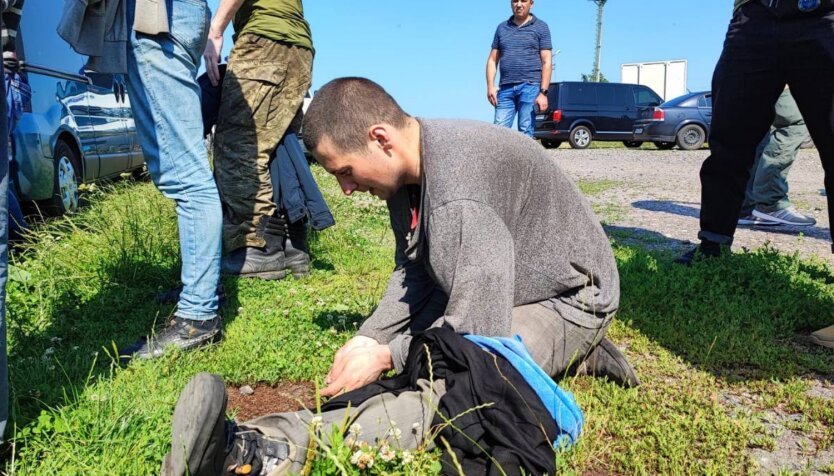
(582, 112)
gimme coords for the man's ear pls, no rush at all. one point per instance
(380, 134)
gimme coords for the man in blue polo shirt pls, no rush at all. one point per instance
(522, 49)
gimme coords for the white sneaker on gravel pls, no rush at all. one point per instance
(787, 216)
(751, 220)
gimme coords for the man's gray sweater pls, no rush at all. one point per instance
(500, 225)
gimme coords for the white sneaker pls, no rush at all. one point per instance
(787, 216)
(751, 220)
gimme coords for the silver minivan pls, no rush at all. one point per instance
(77, 127)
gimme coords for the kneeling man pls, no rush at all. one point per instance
(492, 239)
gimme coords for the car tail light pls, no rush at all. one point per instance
(557, 115)
(658, 114)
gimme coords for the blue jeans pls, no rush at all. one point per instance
(165, 99)
(517, 98)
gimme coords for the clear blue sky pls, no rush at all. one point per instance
(431, 55)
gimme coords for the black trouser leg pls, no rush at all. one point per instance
(746, 84)
(811, 79)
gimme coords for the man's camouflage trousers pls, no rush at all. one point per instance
(262, 91)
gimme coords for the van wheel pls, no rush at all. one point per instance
(691, 137)
(632, 144)
(65, 185)
(551, 144)
(580, 137)
(664, 145)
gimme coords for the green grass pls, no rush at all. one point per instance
(695, 335)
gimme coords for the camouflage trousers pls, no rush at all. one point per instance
(262, 91)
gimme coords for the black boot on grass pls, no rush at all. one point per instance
(204, 443)
(606, 360)
(706, 250)
(265, 262)
(185, 334)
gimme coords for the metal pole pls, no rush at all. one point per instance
(600, 7)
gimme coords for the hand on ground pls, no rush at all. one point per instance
(357, 363)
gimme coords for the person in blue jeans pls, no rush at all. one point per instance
(160, 50)
(523, 51)
(165, 98)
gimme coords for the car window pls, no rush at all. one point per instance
(613, 95)
(582, 93)
(705, 101)
(43, 46)
(645, 97)
(691, 102)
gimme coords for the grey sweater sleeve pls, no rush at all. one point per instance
(473, 259)
(409, 289)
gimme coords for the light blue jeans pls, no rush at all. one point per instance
(165, 99)
(519, 98)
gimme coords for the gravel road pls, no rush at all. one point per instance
(656, 196)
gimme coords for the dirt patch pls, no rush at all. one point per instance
(264, 399)
(789, 450)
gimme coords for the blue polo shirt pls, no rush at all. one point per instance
(520, 49)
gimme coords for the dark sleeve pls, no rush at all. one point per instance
(495, 40)
(544, 38)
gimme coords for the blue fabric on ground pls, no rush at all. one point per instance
(561, 404)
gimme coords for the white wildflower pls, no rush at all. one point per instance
(407, 457)
(355, 429)
(362, 460)
(416, 427)
(386, 454)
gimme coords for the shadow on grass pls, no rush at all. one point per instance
(665, 206)
(53, 362)
(746, 316)
(649, 239)
(684, 209)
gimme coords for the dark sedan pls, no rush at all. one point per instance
(683, 121)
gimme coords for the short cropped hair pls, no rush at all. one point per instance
(343, 110)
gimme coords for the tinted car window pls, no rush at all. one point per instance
(705, 101)
(613, 94)
(585, 94)
(645, 97)
(38, 23)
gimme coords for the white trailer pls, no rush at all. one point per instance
(667, 78)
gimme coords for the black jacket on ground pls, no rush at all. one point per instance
(515, 431)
